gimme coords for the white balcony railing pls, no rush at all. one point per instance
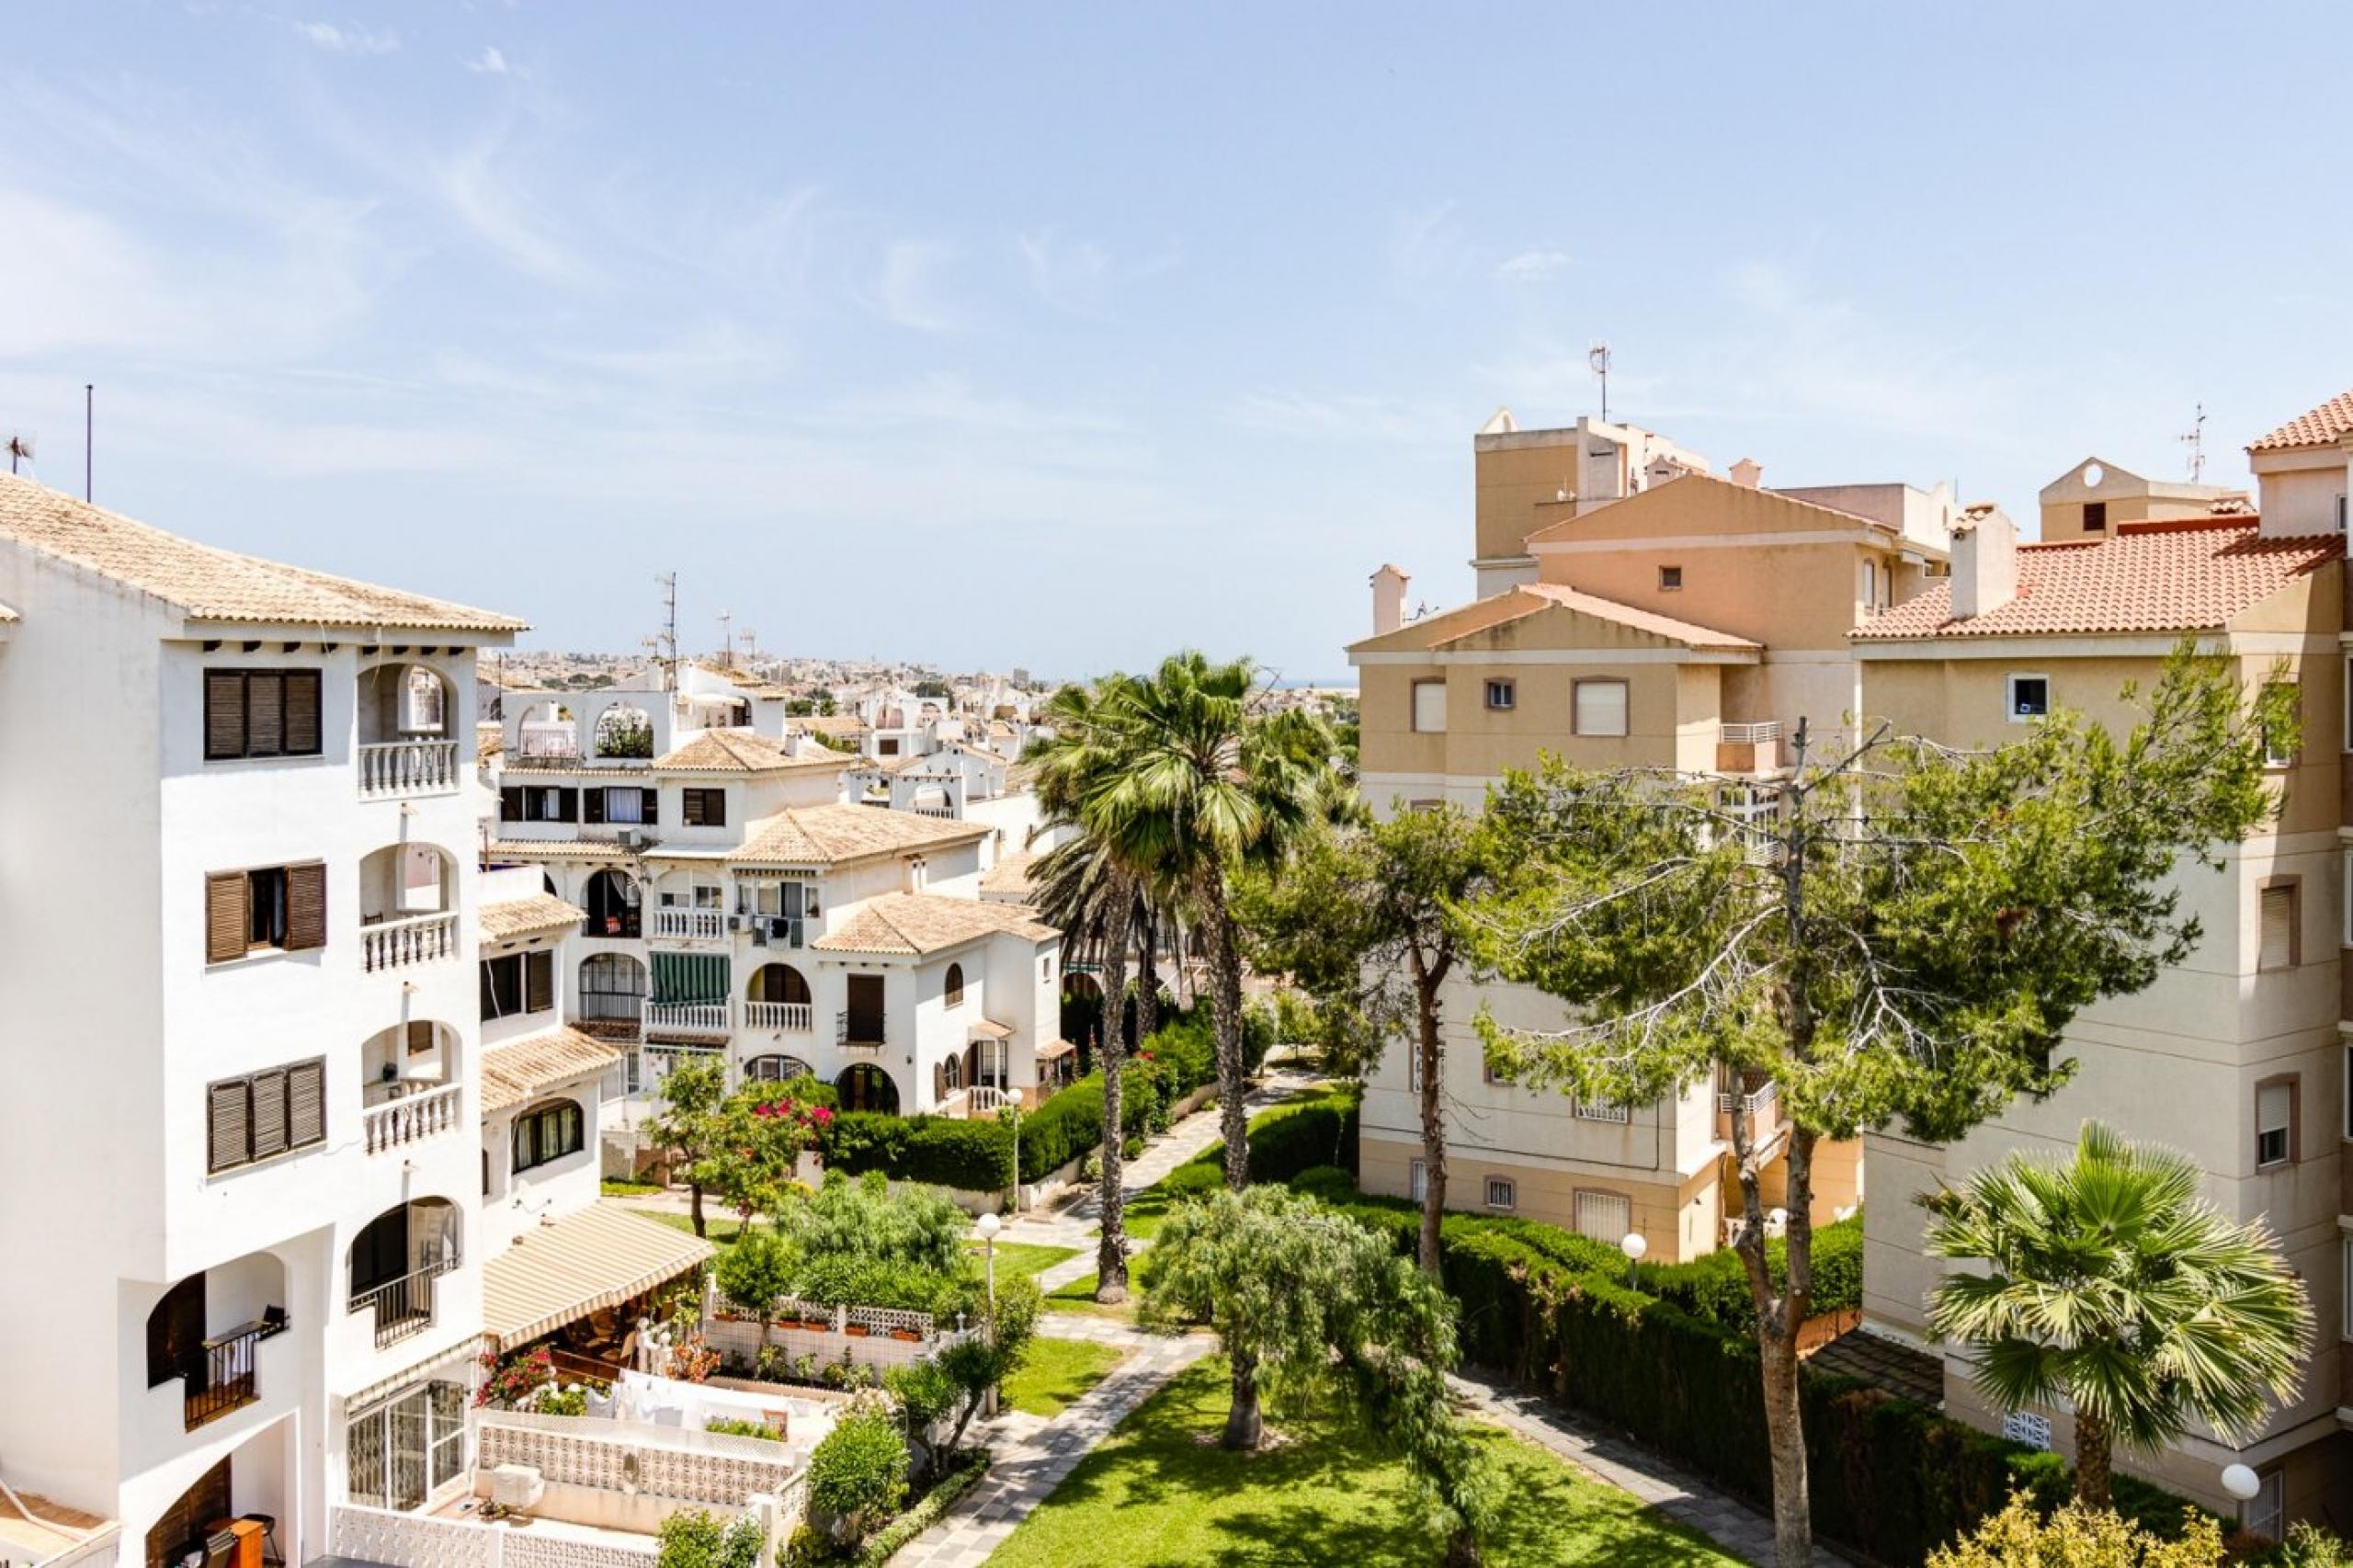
(1763, 1104)
(690, 924)
(792, 1018)
(1752, 734)
(396, 944)
(409, 1119)
(984, 1099)
(402, 768)
(693, 1018)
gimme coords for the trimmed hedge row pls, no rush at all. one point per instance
(1890, 1479)
(977, 1155)
(1289, 1140)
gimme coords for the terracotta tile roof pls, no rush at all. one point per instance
(576, 849)
(1534, 598)
(1010, 874)
(522, 1070)
(920, 923)
(207, 583)
(817, 835)
(2319, 426)
(2191, 575)
(522, 916)
(729, 751)
(1667, 626)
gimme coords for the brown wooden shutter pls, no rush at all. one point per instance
(270, 1113)
(567, 805)
(301, 712)
(264, 714)
(224, 713)
(226, 920)
(538, 982)
(690, 808)
(306, 906)
(420, 1037)
(651, 808)
(714, 808)
(510, 803)
(592, 805)
(306, 1103)
(227, 1142)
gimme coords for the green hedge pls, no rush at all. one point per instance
(1551, 1308)
(1296, 1136)
(973, 1157)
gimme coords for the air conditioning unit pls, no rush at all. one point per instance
(632, 838)
(734, 923)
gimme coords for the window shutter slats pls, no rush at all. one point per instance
(225, 895)
(538, 980)
(592, 805)
(2278, 929)
(226, 1141)
(306, 1103)
(690, 808)
(270, 1113)
(306, 906)
(652, 806)
(264, 714)
(224, 713)
(301, 712)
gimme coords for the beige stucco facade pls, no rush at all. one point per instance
(2097, 491)
(2181, 1062)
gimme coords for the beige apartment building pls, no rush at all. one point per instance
(1643, 613)
(2236, 1056)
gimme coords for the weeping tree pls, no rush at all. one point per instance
(1362, 919)
(2108, 1281)
(1902, 935)
(1317, 1314)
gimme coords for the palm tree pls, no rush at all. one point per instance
(2112, 1284)
(1202, 779)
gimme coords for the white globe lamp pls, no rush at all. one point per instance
(1632, 1244)
(2241, 1482)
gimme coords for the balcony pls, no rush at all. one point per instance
(403, 1306)
(690, 924)
(688, 1017)
(409, 1120)
(227, 1378)
(402, 770)
(1749, 748)
(1760, 1097)
(858, 1031)
(785, 1018)
(399, 944)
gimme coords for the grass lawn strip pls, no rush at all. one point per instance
(1057, 1373)
(719, 1231)
(1161, 1491)
(1027, 1257)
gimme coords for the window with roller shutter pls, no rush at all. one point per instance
(255, 713)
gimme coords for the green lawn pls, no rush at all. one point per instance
(1058, 1371)
(1028, 1257)
(1160, 1492)
(1078, 1296)
(719, 1229)
(616, 1188)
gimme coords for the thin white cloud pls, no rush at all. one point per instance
(493, 62)
(353, 40)
(476, 187)
(906, 292)
(1070, 275)
(1428, 245)
(1532, 266)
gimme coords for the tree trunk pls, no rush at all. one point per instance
(1245, 1426)
(1111, 1252)
(1780, 1312)
(2093, 1446)
(1430, 1062)
(694, 1197)
(1147, 971)
(1462, 1550)
(1225, 1010)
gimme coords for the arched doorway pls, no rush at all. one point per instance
(868, 1087)
(1082, 1015)
(611, 899)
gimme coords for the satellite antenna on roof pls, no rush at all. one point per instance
(726, 638)
(666, 646)
(1598, 357)
(20, 450)
(2196, 441)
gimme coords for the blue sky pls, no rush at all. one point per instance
(1062, 338)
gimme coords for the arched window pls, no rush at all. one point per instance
(775, 1068)
(955, 985)
(948, 1077)
(779, 983)
(547, 1132)
(612, 987)
(868, 1087)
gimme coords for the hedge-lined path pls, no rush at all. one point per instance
(1079, 1223)
(1722, 1517)
(1028, 1467)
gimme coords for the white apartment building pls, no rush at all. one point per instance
(241, 897)
(733, 902)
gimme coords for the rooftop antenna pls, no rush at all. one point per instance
(726, 638)
(2196, 441)
(667, 645)
(1598, 357)
(89, 407)
(20, 450)
(751, 641)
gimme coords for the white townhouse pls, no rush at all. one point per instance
(241, 1196)
(733, 904)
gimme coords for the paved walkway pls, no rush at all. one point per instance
(1030, 1464)
(1722, 1517)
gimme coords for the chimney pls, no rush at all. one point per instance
(1746, 472)
(1984, 561)
(1388, 600)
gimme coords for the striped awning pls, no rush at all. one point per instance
(585, 1262)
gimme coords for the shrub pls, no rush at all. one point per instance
(695, 1537)
(972, 1156)
(858, 1473)
(1296, 1136)
(735, 1426)
(755, 1272)
(2020, 1536)
(952, 1484)
(1184, 1051)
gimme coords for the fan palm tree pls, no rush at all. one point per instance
(2110, 1283)
(1198, 780)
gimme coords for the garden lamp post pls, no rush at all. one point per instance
(2242, 1483)
(988, 1226)
(1632, 1244)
